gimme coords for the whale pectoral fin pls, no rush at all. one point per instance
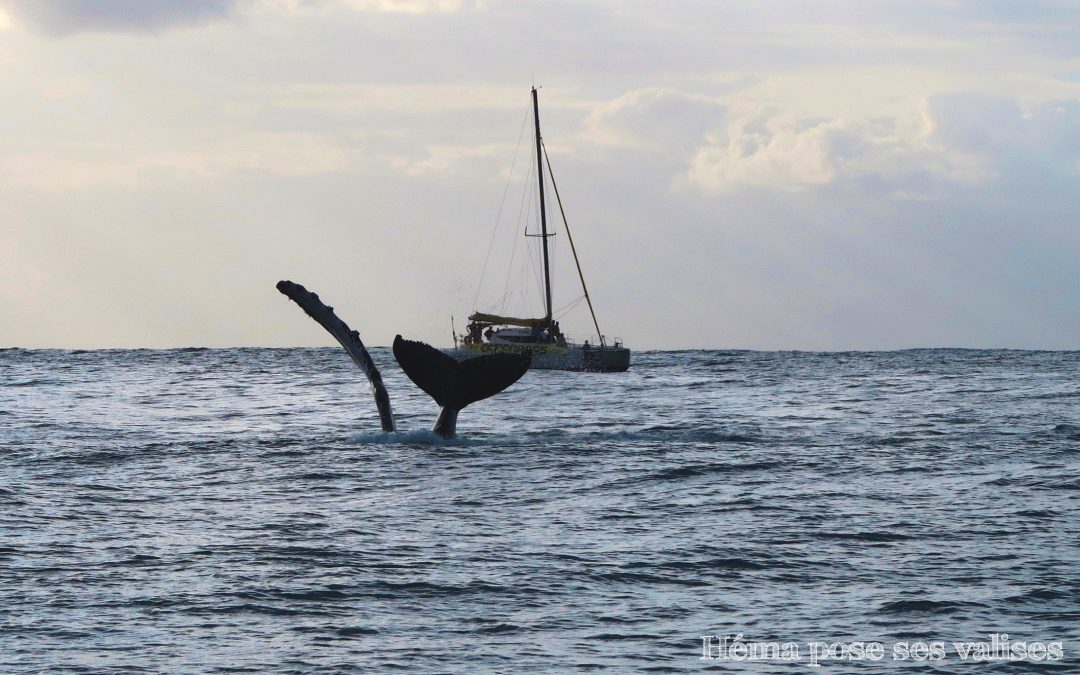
(348, 339)
(454, 384)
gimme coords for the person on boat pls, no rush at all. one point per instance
(474, 334)
(488, 333)
(559, 339)
(536, 333)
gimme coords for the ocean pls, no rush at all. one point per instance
(238, 510)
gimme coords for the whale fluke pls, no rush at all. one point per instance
(349, 339)
(455, 384)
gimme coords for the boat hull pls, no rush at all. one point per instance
(552, 357)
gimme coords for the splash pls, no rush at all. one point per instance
(413, 437)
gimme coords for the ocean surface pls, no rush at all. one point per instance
(239, 511)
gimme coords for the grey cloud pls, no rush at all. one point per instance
(974, 121)
(766, 148)
(65, 17)
(656, 119)
(964, 139)
(1047, 135)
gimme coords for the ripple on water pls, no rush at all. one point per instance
(207, 510)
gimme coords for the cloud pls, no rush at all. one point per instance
(65, 17)
(68, 17)
(407, 6)
(849, 174)
(413, 7)
(1046, 134)
(766, 148)
(653, 119)
(441, 158)
(747, 138)
(763, 150)
(349, 98)
(278, 154)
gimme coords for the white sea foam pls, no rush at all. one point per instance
(408, 437)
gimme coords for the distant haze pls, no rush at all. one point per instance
(770, 175)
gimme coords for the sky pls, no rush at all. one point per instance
(828, 175)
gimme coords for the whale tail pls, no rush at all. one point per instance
(455, 384)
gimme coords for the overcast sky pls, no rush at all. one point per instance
(773, 175)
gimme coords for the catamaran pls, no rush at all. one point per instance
(552, 350)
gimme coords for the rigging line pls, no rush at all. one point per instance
(526, 294)
(517, 294)
(566, 226)
(500, 305)
(553, 256)
(508, 288)
(521, 214)
(536, 261)
(535, 266)
(502, 202)
(570, 305)
(517, 290)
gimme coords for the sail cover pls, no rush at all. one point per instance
(506, 320)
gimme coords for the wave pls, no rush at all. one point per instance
(661, 432)
(10, 496)
(872, 536)
(679, 472)
(927, 607)
(32, 382)
(1038, 596)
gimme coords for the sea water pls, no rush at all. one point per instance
(239, 510)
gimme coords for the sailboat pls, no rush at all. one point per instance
(551, 349)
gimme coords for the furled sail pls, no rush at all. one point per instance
(496, 320)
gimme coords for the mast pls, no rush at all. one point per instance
(543, 213)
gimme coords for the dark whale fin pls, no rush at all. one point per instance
(455, 384)
(349, 339)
